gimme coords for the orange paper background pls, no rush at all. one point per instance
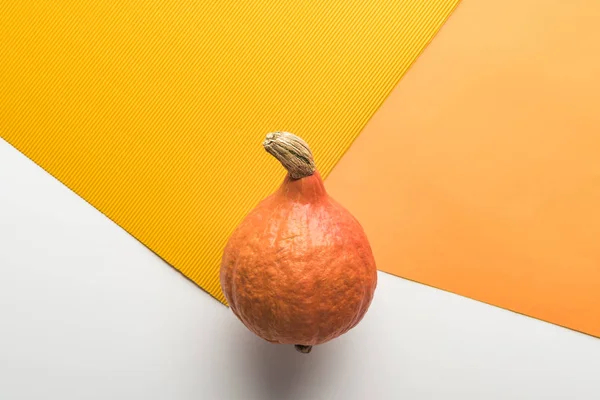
(480, 174)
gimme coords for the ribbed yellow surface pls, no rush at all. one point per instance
(154, 111)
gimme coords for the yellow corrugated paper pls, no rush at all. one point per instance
(154, 111)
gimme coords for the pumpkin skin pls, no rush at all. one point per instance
(299, 268)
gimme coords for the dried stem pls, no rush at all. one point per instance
(303, 349)
(292, 152)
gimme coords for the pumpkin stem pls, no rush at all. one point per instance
(292, 152)
(303, 349)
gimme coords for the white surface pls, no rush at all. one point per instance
(87, 312)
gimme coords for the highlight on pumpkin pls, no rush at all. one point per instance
(299, 268)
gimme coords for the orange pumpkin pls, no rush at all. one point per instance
(299, 268)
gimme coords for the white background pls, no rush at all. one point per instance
(87, 312)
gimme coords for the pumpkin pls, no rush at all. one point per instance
(299, 268)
